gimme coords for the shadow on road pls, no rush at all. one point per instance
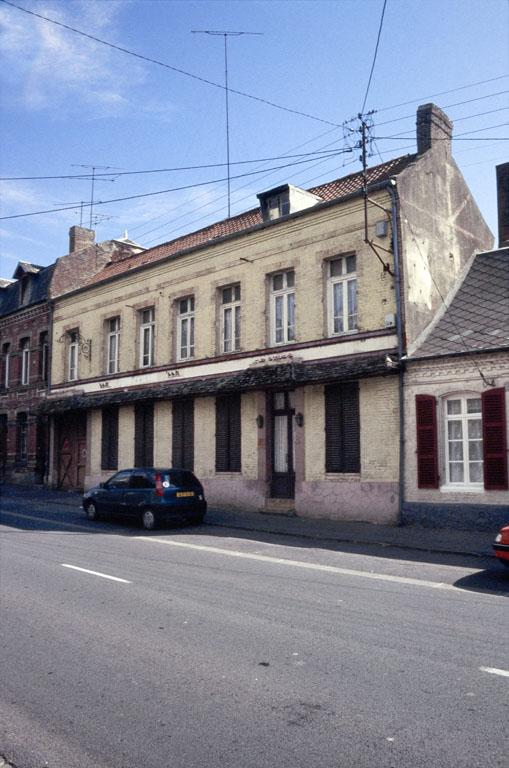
(492, 580)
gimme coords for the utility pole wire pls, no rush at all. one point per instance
(374, 57)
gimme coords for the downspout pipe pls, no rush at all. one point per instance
(392, 189)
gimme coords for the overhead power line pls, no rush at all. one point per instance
(159, 192)
(441, 93)
(180, 71)
(86, 176)
(374, 55)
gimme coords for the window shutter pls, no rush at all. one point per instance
(228, 438)
(494, 440)
(109, 438)
(144, 434)
(222, 434)
(427, 450)
(183, 434)
(351, 427)
(342, 428)
(235, 434)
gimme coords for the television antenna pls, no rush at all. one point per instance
(93, 180)
(225, 34)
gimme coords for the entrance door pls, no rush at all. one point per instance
(282, 484)
(71, 450)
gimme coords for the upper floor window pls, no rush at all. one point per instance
(6, 351)
(185, 328)
(342, 295)
(278, 205)
(25, 361)
(464, 443)
(112, 344)
(72, 355)
(147, 329)
(230, 318)
(24, 289)
(43, 356)
(282, 309)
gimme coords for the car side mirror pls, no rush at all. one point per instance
(102, 485)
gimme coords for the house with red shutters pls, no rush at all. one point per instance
(457, 397)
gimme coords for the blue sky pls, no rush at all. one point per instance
(68, 101)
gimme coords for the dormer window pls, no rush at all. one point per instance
(278, 205)
(23, 289)
(284, 200)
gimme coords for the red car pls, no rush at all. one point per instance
(501, 545)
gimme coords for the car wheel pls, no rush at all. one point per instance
(197, 520)
(148, 520)
(91, 511)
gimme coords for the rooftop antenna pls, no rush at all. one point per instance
(225, 34)
(94, 179)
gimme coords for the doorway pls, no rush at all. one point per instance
(282, 475)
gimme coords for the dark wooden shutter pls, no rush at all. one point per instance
(494, 440)
(183, 434)
(228, 438)
(342, 428)
(109, 438)
(427, 450)
(143, 434)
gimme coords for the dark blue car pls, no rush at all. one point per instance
(149, 496)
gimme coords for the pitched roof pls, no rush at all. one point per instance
(243, 222)
(10, 298)
(476, 317)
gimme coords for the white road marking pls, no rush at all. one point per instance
(301, 564)
(495, 671)
(95, 573)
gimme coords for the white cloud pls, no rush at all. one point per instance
(49, 67)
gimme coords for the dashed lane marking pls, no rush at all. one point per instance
(495, 671)
(96, 573)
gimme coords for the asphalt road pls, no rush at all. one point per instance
(197, 647)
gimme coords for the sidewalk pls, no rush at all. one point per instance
(411, 537)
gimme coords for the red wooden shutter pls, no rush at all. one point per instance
(494, 440)
(427, 452)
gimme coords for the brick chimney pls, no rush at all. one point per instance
(433, 129)
(503, 204)
(80, 238)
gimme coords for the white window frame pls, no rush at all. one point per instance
(25, 362)
(147, 333)
(112, 344)
(278, 205)
(284, 299)
(230, 319)
(44, 353)
(185, 328)
(341, 284)
(464, 417)
(7, 364)
(73, 356)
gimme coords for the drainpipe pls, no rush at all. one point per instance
(391, 187)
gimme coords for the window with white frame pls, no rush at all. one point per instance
(6, 350)
(147, 329)
(73, 355)
(112, 344)
(278, 205)
(282, 307)
(43, 356)
(463, 441)
(342, 295)
(25, 361)
(185, 328)
(230, 318)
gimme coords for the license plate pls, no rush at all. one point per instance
(181, 494)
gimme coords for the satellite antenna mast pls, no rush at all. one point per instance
(225, 34)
